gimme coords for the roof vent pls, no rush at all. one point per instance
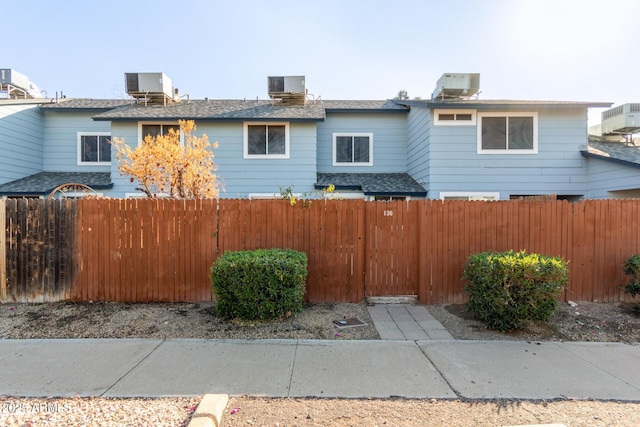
(154, 88)
(288, 89)
(457, 86)
(17, 85)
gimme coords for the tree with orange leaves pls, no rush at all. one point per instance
(163, 166)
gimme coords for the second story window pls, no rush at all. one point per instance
(94, 148)
(511, 133)
(157, 129)
(266, 140)
(352, 149)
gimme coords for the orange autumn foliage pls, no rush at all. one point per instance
(164, 167)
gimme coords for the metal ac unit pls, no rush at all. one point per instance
(623, 119)
(286, 84)
(142, 84)
(14, 78)
(457, 85)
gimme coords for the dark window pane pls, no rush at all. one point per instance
(257, 139)
(344, 149)
(105, 149)
(152, 130)
(521, 133)
(446, 117)
(166, 128)
(361, 149)
(494, 133)
(89, 148)
(276, 140)
(464, 117)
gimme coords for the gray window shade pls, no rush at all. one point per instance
(494, 133)
(520, 133)
(105, 149)
(361, 149)
(276, 140)
(89, 148)
(344, 149)
(257, 139)
(151, 130)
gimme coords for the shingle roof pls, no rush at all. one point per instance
(628, 155)
(230, 110)
(43, 183)
(373, 184)
(86, 104)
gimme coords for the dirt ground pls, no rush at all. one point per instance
(612, 322)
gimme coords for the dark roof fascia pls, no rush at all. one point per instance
(396, 193)
(374, 193)
(77, 110)
(503, 104)
(366, 110)
(338, 187)
(23, 194)
(47, 191)
(206, 119)
(628, 163)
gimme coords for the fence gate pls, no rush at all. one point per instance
(391, 255)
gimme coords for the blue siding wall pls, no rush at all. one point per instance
(21, 137)
(389, 141)
(418, 160)
(606, 177)
(241, 177)
(558, 168)
(61, 136)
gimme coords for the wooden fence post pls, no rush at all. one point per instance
(3, 251)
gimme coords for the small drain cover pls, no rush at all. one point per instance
(352, 322)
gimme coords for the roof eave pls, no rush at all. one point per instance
(587, 154)
(207, 119)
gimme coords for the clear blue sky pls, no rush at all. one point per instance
(574, 50)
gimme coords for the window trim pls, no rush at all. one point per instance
(455, 121)
(79, 136)
(352, 134)
(472, 195)
(168, 123)
(506, 150)
(245, 142)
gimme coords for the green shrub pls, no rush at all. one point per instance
(260, 284)
(508, 289)
(632, 269)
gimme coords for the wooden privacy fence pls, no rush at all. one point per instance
(161, 250)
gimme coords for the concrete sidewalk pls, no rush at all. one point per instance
(347, 369)
(406, 322)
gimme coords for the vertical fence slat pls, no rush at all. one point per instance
(3, 250)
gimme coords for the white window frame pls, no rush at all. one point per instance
(506, 150)
(169, 123)
(471, 195)
(245, 142)
(352, 134)
(79, 149)
(455, 121)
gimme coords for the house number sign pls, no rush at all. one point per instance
(388, 213)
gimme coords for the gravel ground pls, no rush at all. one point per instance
(585, 322)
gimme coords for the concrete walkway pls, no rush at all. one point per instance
(406, 322)
(301, 368)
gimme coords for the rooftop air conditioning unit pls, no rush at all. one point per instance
(623, 119)
(142, 84)
(457, 85)
(14, 78)
(286, 84)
